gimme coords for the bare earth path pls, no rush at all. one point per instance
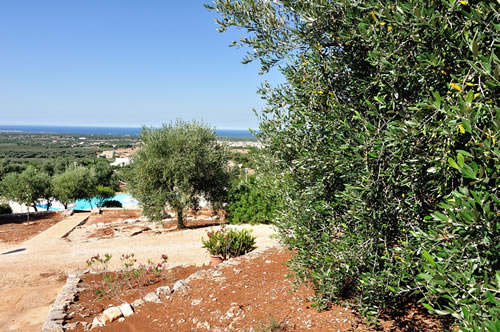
(31, 278)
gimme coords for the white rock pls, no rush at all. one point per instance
(131, 221)
(179, 285)
(121, 319)
(152, 297)
(111, 314)
(203, 324)
(97, 323)
(137, 303)
(196, 302)
(163, 290)
(126, 309)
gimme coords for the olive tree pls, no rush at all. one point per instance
(383, 143)
(26, 187)
(74, 183)
(178, 165)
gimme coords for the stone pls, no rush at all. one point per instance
(137, 303)
(152, 297)
(68, 213)
(179, 286)
(71, 326)
(163, 290)
(203, 324)
(131, 221)
(196, 302)
(111, 314)
(97, 323)
(126, 309)
(51, 326)
(121, 319)
(56, 315)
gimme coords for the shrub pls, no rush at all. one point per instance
(5, 208)
(250, 202)
(229, 243)
(112, 203)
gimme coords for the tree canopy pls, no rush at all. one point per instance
(383, 146)
(178, 165)
(74, 183)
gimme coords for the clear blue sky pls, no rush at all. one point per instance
(122, 63)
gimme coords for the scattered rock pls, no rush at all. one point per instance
(111, 314)
(126, 309)
(152, 297)
(121, 319)
(179, 286)
(97, 323)
(196, 302)
(203, 324)
(163, 290)
(137, 303)
(131, 221)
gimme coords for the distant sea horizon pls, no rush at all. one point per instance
(96, 130)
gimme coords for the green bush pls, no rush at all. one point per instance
(112, 203)
(390, 113)
(229, 243)
(5, 208)
(250, 202)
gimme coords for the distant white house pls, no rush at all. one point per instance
(121, 162)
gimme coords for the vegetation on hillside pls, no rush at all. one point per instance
(383, 145)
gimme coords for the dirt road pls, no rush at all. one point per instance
(31, 277)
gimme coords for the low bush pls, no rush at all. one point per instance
(5, 208)
(249, 202)
(112, 203)
(229, 243)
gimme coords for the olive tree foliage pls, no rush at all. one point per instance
(383, 143)
(26, 187)
(73, 184)
(179, 164)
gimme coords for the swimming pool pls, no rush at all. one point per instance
(81, 204)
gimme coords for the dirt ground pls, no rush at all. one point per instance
(254, 295)
(16, 228)
(31, 276)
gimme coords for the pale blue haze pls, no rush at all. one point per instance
(121, 63)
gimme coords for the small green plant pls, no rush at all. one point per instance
(112, 282)
(229, 243)
(270, 326)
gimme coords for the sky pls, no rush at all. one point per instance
(122, 63)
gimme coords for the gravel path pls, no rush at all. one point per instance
(30, 279)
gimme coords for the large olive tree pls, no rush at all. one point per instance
(390, 113)
(178, 165)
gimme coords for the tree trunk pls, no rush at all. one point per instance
(28, 208)
(180, 220)
(34, 207)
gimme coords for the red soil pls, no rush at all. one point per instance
(254, 295)
(16, 229)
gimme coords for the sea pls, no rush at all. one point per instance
(88, 130)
